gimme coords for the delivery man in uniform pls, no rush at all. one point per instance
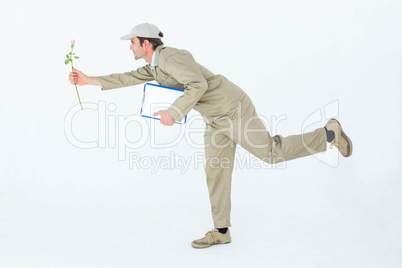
(228, 112)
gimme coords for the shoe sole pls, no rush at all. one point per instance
(207, 246)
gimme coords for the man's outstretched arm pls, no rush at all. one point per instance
(139, 76)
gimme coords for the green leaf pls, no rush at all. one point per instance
(76, 57)
(67, 56)
(66, 62)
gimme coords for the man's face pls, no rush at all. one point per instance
(138, 51)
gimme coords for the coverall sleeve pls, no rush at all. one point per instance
(183, 68)
(139, 76)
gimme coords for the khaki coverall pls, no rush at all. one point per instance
(230, 119)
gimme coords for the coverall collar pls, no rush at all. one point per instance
(155, 57)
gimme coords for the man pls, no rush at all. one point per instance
(228, 112)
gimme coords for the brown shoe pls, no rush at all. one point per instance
(212, 237)
(341, 140)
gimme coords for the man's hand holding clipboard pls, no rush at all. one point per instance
(166, 119)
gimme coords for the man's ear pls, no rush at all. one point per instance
(146, 43)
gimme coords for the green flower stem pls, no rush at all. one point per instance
(72, 68)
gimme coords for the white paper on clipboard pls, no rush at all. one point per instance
(157, 97)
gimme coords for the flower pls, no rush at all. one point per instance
(69, 59)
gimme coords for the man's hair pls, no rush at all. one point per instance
(154, 41)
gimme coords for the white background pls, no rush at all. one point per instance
(63, 206)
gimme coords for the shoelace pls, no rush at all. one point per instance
(210, 235)
(331, 145)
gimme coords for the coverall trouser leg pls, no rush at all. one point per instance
(243, 126)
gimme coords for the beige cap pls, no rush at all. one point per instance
(143, 30)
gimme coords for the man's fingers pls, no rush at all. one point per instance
(164, 118)
(72, 76)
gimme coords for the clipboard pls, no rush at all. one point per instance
(156, 98)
